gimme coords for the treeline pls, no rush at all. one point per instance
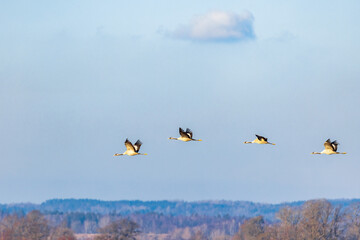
(32, 226)
(149, 222)
(183, 208)
(316, 219)
(173, 208)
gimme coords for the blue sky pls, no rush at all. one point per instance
(78, 78)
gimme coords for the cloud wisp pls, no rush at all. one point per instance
(217, 26)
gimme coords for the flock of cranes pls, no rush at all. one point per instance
(187, 135)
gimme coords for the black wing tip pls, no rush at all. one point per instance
(261, 137)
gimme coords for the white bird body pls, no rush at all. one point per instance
(260, 140)
(328, 152)
(184, 139)
(131, 150)
(185, 136)
(330, 148)
(129, 153)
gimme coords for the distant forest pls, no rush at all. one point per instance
(205, 219)
(244, 209)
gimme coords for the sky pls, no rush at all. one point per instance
(79, 77)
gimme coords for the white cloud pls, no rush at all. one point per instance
(218, 26)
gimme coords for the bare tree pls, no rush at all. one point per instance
(320, 221)
(288, 227)
(9, 228)
(34, 226)
(62, 233)
(119, 230)
(31, 227)
(252, 229)
(353, 222)
(336, 227)
(198, 236)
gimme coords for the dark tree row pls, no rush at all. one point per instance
(170, 208)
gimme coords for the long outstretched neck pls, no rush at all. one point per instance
(248, 142)
(340, 152)
(272, 143)
(197, 140)
(142, 153)
(118, 154)
(173, 138)
(315, 153)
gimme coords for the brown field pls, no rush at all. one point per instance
(84, 236)
(149, 236)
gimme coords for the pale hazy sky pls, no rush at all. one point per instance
(79, 77)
